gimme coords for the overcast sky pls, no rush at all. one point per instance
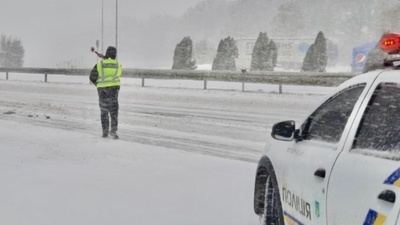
(44, 25)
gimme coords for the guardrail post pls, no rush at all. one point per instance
(142, 81)
(45, 77)
(205, 84)
(6, 75)
(243, 72)
(280, 89)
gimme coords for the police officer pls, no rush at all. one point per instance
(106, 77)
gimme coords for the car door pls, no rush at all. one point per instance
(310, 159)
(364, 187)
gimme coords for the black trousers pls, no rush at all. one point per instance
(108, 102)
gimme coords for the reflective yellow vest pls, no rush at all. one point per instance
(109, 71)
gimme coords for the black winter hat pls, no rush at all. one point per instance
(111, 52)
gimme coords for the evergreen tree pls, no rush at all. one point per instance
(309, 59)
(375, 59)
(273, 54)
(265, 54)
(218, 60)
(316, 57)
(183, 55)
(226, 54)
(259, 55)
(11, 52)
(321, 55)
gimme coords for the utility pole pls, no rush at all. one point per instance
(116, 24)
(102, 25)
(241, 19)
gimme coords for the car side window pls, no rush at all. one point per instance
(379, 129)
(328, 121)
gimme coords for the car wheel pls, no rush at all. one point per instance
(270, 212)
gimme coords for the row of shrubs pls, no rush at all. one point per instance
(264, 55)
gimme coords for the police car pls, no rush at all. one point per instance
(342, 164)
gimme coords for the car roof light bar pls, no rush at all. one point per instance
(390, 43)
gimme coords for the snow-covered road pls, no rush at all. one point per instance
(230, 124)
(56, 169)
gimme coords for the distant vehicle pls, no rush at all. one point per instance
(342, 164)
(291, 51)
(360, 54)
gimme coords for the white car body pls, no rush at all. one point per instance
(326, 179)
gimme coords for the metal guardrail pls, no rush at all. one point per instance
(265, 77)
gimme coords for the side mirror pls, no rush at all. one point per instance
(284, 131)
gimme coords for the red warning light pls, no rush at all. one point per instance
(390, 43)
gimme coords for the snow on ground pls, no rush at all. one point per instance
(54, 176)
(56, 169)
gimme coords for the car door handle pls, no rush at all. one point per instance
(320, 173)
(387, 195)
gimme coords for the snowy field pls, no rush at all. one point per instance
(186, 156)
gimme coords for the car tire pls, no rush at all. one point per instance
(267, 200)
